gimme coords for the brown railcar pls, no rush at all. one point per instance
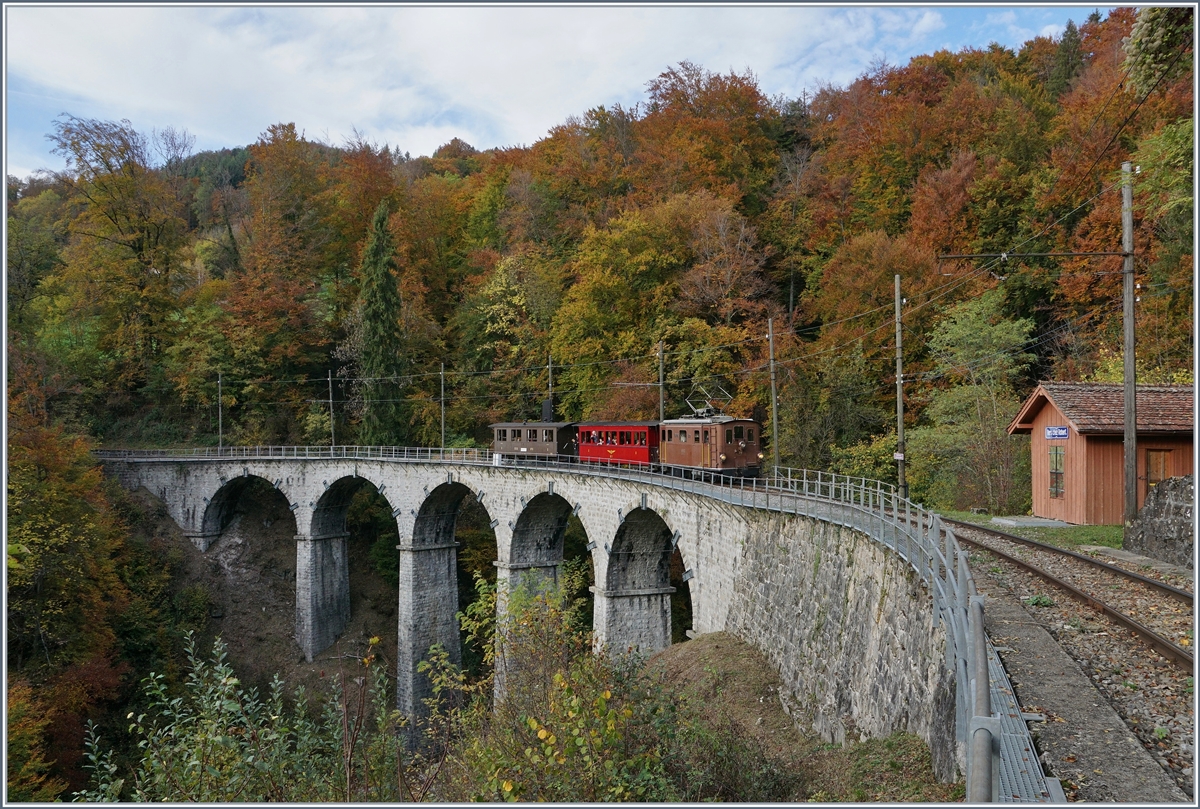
(712, 442)
(540, 438)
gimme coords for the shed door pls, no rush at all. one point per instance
(1158, 466)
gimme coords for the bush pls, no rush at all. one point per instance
(570, 726)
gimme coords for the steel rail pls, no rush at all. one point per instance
(1174, 592)
(1166, 648)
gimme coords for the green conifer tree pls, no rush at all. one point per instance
(382, 360)
(1068, 61)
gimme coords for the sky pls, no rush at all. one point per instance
(415, 76)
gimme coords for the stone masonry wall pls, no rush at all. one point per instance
(1163, 528)
(849, 627)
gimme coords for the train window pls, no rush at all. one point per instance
(706, 436)
(669, 438)
(728, 436)
(683, 436)
(737, 432)
(548, 436)
(750, 434)
(696, 436)
(502, 435)
(640, 438)
(531, 435)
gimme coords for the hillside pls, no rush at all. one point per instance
(739, 695)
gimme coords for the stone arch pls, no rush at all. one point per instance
(329, 512)
(633, 611)
(438, 513)
(534, 562)
(221, 508)
(428, 591)
(537, 537)
(323, 567)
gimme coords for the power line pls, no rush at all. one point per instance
(1133, 112)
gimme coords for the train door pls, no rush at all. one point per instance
(709, 453)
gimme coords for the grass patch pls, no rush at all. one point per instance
(1069, 537)
(895, 769)
(1073, 536)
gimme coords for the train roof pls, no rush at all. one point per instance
(531, 424)
(722, 419)
(602, 423)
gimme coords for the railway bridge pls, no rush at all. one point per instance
(863, 602)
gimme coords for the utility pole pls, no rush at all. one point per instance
(774, 399)
(900, 398)
(443, 405)
(1130, 357)
(550, 383)
(220, 424)
(332, 435)
(661, 407)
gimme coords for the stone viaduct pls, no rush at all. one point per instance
(849, 624)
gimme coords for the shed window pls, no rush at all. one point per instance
(1056, 471)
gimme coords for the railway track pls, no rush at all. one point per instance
(1153, 610)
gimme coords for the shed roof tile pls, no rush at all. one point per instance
(1098, 407)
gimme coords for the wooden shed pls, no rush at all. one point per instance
(1077, 432)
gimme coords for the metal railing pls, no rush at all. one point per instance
(872, 507)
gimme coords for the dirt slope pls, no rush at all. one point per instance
(735, 683)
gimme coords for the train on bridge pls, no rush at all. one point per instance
(708, 441)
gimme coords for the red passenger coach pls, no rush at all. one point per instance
(633, 442)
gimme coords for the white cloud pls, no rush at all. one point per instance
(417, 76)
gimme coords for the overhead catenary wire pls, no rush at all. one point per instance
(1166, 72)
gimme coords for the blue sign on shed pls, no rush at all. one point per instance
(1056, 433)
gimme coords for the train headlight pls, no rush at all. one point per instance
(760, 456)
(723, 456)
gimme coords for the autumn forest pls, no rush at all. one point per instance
(327, 292)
